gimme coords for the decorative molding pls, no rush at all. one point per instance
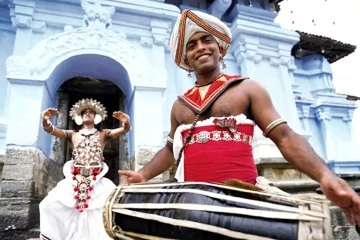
(305, 111)
(95, 37)
(348, 115)
(21, 13)
(322, 113)
(305, 108)
(39, 59)
(274, 61)
(291, 64)
(161, 32)
(328, 97)
(255, 50)
(146, 41)
(38, 26)
(97, 16)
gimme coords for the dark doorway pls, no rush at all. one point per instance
(113, 99)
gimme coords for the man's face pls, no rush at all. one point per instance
(202, 52)
(88, 115)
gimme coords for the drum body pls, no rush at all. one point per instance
(194, 210)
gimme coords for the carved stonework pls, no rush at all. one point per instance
(21, 13)
(17, 65)
(94, 38)
(97, 16)
(323, 113)
(45, 53)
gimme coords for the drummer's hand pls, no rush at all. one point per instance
(340, 193)
(131, 177)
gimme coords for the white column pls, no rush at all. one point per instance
(148, 115)
(24, 116)
(323, 115)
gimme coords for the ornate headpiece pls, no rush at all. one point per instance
(81, 105)
(190, 22)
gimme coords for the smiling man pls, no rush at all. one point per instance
(73, 209)
(212, 124)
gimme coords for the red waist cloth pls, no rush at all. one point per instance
(216, 154)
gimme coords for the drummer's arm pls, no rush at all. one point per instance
(293, 147)
(300, 154)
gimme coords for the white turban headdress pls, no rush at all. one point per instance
(190, 22)
(81, 105)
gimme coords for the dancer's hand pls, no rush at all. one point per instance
(49, 113)
(122, 117)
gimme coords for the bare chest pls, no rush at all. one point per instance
(231, 103)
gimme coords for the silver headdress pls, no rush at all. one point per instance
(81, 105)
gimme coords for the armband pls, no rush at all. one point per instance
(273, 125)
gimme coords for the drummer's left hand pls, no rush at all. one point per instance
(341, 194)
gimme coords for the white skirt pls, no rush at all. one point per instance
(60, 220)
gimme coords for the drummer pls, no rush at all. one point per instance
(212, 123)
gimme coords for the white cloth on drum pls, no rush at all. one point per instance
(59, 220)
(178, 140)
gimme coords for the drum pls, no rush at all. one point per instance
(195, 210)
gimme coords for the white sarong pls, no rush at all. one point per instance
(60, 220)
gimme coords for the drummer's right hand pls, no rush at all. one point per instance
(131, 177)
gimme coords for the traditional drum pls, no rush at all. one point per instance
(193, 210)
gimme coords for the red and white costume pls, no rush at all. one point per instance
(216, 153)
(73, 209)
(220, 147)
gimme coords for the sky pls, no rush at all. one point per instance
(338, 20)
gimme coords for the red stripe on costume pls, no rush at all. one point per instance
(192, 98)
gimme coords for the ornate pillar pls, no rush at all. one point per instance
(305, 113)
(323, 115)
(21, 13)
(334, 114)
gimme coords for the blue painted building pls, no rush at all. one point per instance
(53, 52)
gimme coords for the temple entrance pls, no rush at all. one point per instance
(113, 99)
